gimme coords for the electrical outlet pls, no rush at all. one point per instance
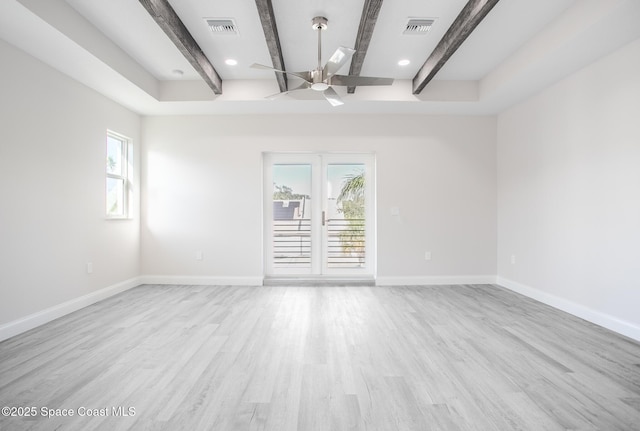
(89, 267)
(513, 259)
(199, 255)
(427, 255)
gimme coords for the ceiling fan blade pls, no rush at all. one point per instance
(305, 85)
(354, 81)
(332, 97)
(337, 60)
(302, 75)
(262, 66)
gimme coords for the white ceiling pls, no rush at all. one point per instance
(116, 48)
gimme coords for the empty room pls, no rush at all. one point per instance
(320, 215)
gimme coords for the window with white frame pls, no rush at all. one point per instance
(118, 175)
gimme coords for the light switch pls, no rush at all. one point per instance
(395, 211)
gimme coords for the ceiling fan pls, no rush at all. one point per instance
(322, 79)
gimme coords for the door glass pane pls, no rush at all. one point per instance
(345, 216)
(292, 216)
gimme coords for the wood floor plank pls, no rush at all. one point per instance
(308, 358)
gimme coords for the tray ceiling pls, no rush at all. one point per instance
(119, 49)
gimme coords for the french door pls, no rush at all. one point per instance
(319, 215)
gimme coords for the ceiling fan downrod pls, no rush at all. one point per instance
(319, 23)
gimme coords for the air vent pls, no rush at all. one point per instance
(222, 26)
(417, 26)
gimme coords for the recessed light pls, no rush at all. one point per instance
(231, 62)
(177, 72)
(403, 62)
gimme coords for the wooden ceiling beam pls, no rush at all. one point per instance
(172, 25)
(464, 24)
(268, 20)
(368, 20)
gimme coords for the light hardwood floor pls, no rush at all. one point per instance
(323, 358)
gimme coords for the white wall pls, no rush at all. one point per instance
(202, 190)
(569, 193)
(52, 191)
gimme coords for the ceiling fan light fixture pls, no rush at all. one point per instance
(319, 86)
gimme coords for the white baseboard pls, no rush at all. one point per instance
(435, 280)
(201, 281)
(602, 319)
(31, 321)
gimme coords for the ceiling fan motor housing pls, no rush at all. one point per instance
(316, 76)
